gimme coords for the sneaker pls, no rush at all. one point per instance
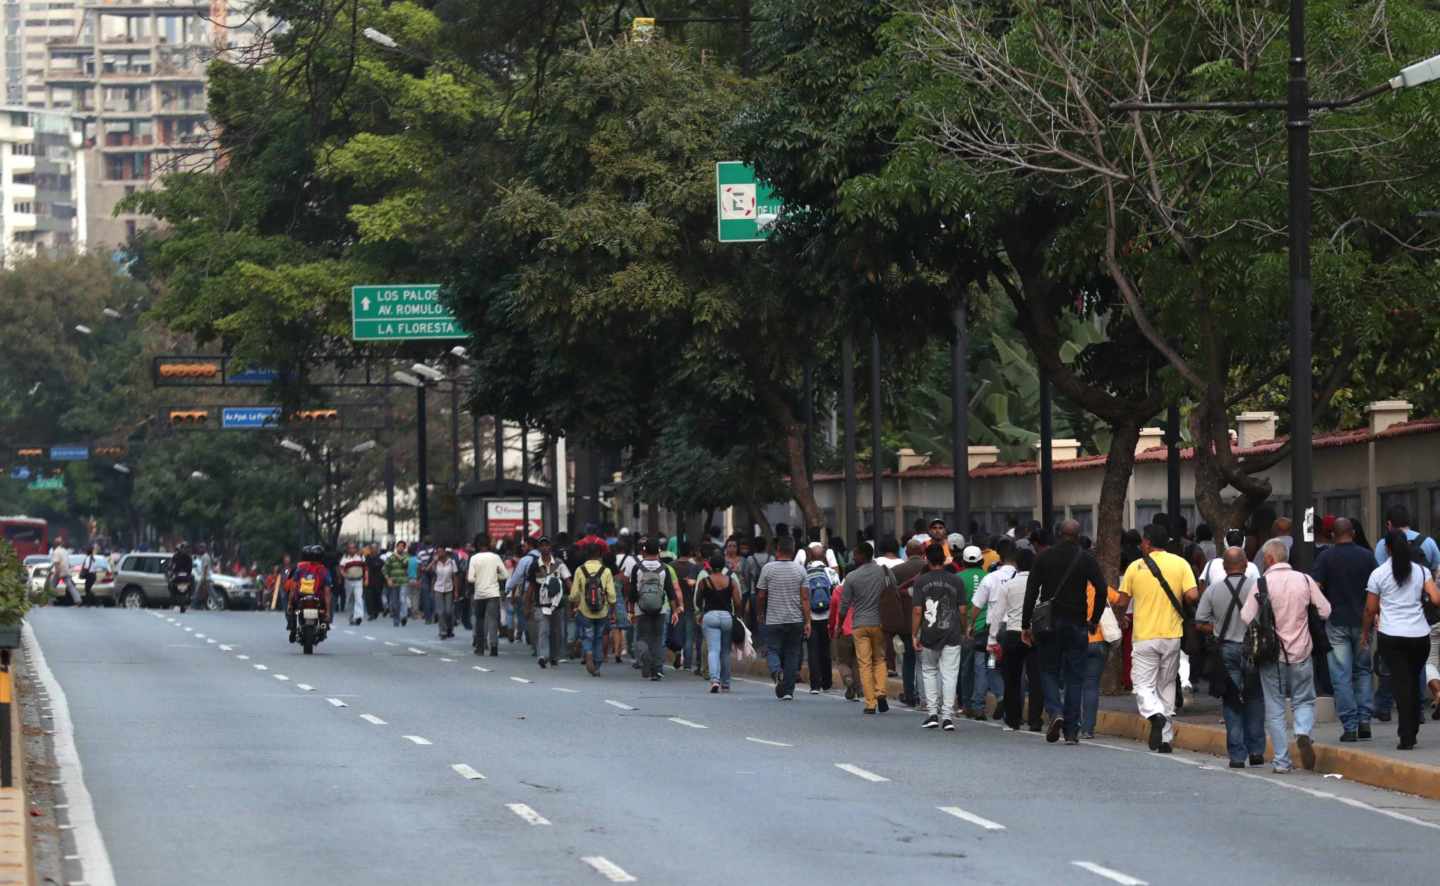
(1008, 728)
(849, 693)
(979, 717)
(1073, 740)
(931, 722)
(1165, 748)
(1282, 770)
(787, 697)
(1307, 751)
(882, 705)
(1035, 727)
(1157, 731)
(1057, 725)
(814, 691)
(1383, 718)
(655, 678)
(714, 688)
(1257, 760)
(1237, 764)
(542, 663)
(1349, 735)
(779, 690)
(868, 711)
(948, 725)
(619, 660)
(1088, 736)
(1364, 732)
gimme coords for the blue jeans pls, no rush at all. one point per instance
(1350, 674)
(965, 683)
(772, 650)
(788, 640)
(717, 625)
(1095, 655)
(592, 637)
(985, 678)
(1062, 669)
(397, 601)
(1297, 681)
(1244, 709)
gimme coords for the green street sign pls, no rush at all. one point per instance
(400, 312)
(745, 207)
(48, 483)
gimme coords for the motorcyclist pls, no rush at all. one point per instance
(181, 564)
(311, 569)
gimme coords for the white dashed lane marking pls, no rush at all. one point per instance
(372, 719)
(415, 739)
(337, 703)
(451, 660)
(280, 677)
(416, 651)
(243, 657)
(682, 722)
(618, 704)
(520, 679)
(1109, 874)
(768, 742)
(528, 815)
(260, 667)
(971, 817)
(861, 773)
(481, 670)
(388, 643)
(608, 869)
(368, 637)
(305, 687)
(224, 648)
(466, 771)
(566, 690)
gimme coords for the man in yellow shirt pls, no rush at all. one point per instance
(1157, 583)
(593, 594)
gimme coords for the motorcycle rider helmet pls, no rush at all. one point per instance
(312, 552)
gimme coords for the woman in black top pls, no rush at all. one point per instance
(718, 595)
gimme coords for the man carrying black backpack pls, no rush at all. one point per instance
(656, 595)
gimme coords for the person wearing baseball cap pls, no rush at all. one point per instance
(970, 575)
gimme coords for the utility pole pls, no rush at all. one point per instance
(422, 462)
(960, 415)
(1172, 468)
(876, 492)
(1047, 458)
(847, 398)
(1297, 122)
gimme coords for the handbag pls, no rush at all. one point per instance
(893, 618)
(1191, 641)
(1215, 671)
(1042, 617)
(1110, 626)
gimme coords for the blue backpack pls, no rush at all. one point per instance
(820, 586)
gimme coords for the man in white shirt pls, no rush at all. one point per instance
(987, 597)
(486, 572)
(60, 571)
(445, 569)
(1214, 571)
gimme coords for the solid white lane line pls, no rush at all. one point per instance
(306, 687)
(520, 679)
(971, 817)
(480, 669)
(862, 773)
(681, 722)
(89, 842)
(416, 651)
(260, 667)
(618, 704)
(767, 742)
(280, 677)
(467, 772)
(188, 630)
(1107, 873)
(337, 703)
(566, 690)
(528, 815)
(372, 719)
(415, 739)
(608, 869)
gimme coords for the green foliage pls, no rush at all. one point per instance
(14, 591)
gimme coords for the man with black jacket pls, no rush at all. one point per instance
(1061, 577)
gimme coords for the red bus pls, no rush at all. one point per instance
(27, 535)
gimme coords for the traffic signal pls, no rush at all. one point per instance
(192, 418)
(108, 451)
(30, 452)
(194, 370)
(316, 416)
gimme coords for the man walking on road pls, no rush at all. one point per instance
(486, 572)
(444, 572)
(1291, 594)
(863, 587)
(1342, 571)
(396, 600)
(592, 594)
(821, 580)
(1219, 616)
(986, 606)
(548, 580)
(1061, 578)
(657, 596)
(352, 570)
(784, 603)
(1157, 583)
(938, 624)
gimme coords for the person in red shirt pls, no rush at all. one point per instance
(842, 644)
(311, 573)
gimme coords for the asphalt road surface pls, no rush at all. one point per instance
(216, 753)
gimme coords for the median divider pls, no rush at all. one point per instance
(15, 861)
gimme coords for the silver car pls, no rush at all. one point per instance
(142, 581)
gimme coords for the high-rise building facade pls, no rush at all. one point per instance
(42, 182)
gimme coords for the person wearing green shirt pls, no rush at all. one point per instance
(971, 572)
(595, 620)
(396, 573)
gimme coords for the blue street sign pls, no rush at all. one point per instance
(69, 453)
(252, 377)
(249, 418)
(20, 473)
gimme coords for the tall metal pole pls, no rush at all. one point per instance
(1298, 123)
(1047, 465)
(960, 415)
(475, 448)
(807, 415)
(390, 494)
(454, 435)
(422, 462)
(847, 401)
(524, 480)
(1172, 467)
(876, 491)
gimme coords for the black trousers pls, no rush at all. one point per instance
(819, 659)
(1020, 662)
(649, 643)
(1406, 658)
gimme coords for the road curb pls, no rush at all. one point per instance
(16, 865)
(1355, 765)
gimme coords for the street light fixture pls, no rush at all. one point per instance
(363, 447)
(112, 314)
(1417, 74)
(199, 475)
(291, 445)
(428, 372)
(124, 469)
(83, 329)
(460, 352)
(406, 378)
(381, 38)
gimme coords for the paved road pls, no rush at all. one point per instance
(217, 754)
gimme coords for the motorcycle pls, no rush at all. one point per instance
(311, 623)
(182, 588)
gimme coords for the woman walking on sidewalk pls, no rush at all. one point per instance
(1394, 593)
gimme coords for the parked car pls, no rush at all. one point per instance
(38, 577)
(141, 581)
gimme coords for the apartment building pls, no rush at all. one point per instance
(30, 25)
(42, 182)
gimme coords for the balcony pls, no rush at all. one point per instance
(21, 221)
(21, 192)
(21, 163)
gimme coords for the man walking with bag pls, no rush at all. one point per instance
(939, 624)
(1057, 617)
(1237, 685)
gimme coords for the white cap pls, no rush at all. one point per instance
(972, 554)
(956, 540)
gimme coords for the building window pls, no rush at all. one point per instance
(23, 149)
(130, 229)
(24, 208)
(19, 118)
(1394, 497)
(1344, 506)
(127, 167)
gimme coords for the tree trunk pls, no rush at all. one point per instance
(1110, 515)
(1210, 428)
(794, 430)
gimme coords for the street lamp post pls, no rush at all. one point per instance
(1297, 107)
(422, 467)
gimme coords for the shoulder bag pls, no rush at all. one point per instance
(1042, 617)
(893, 617)
(1216, 672)
(1191, 643)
